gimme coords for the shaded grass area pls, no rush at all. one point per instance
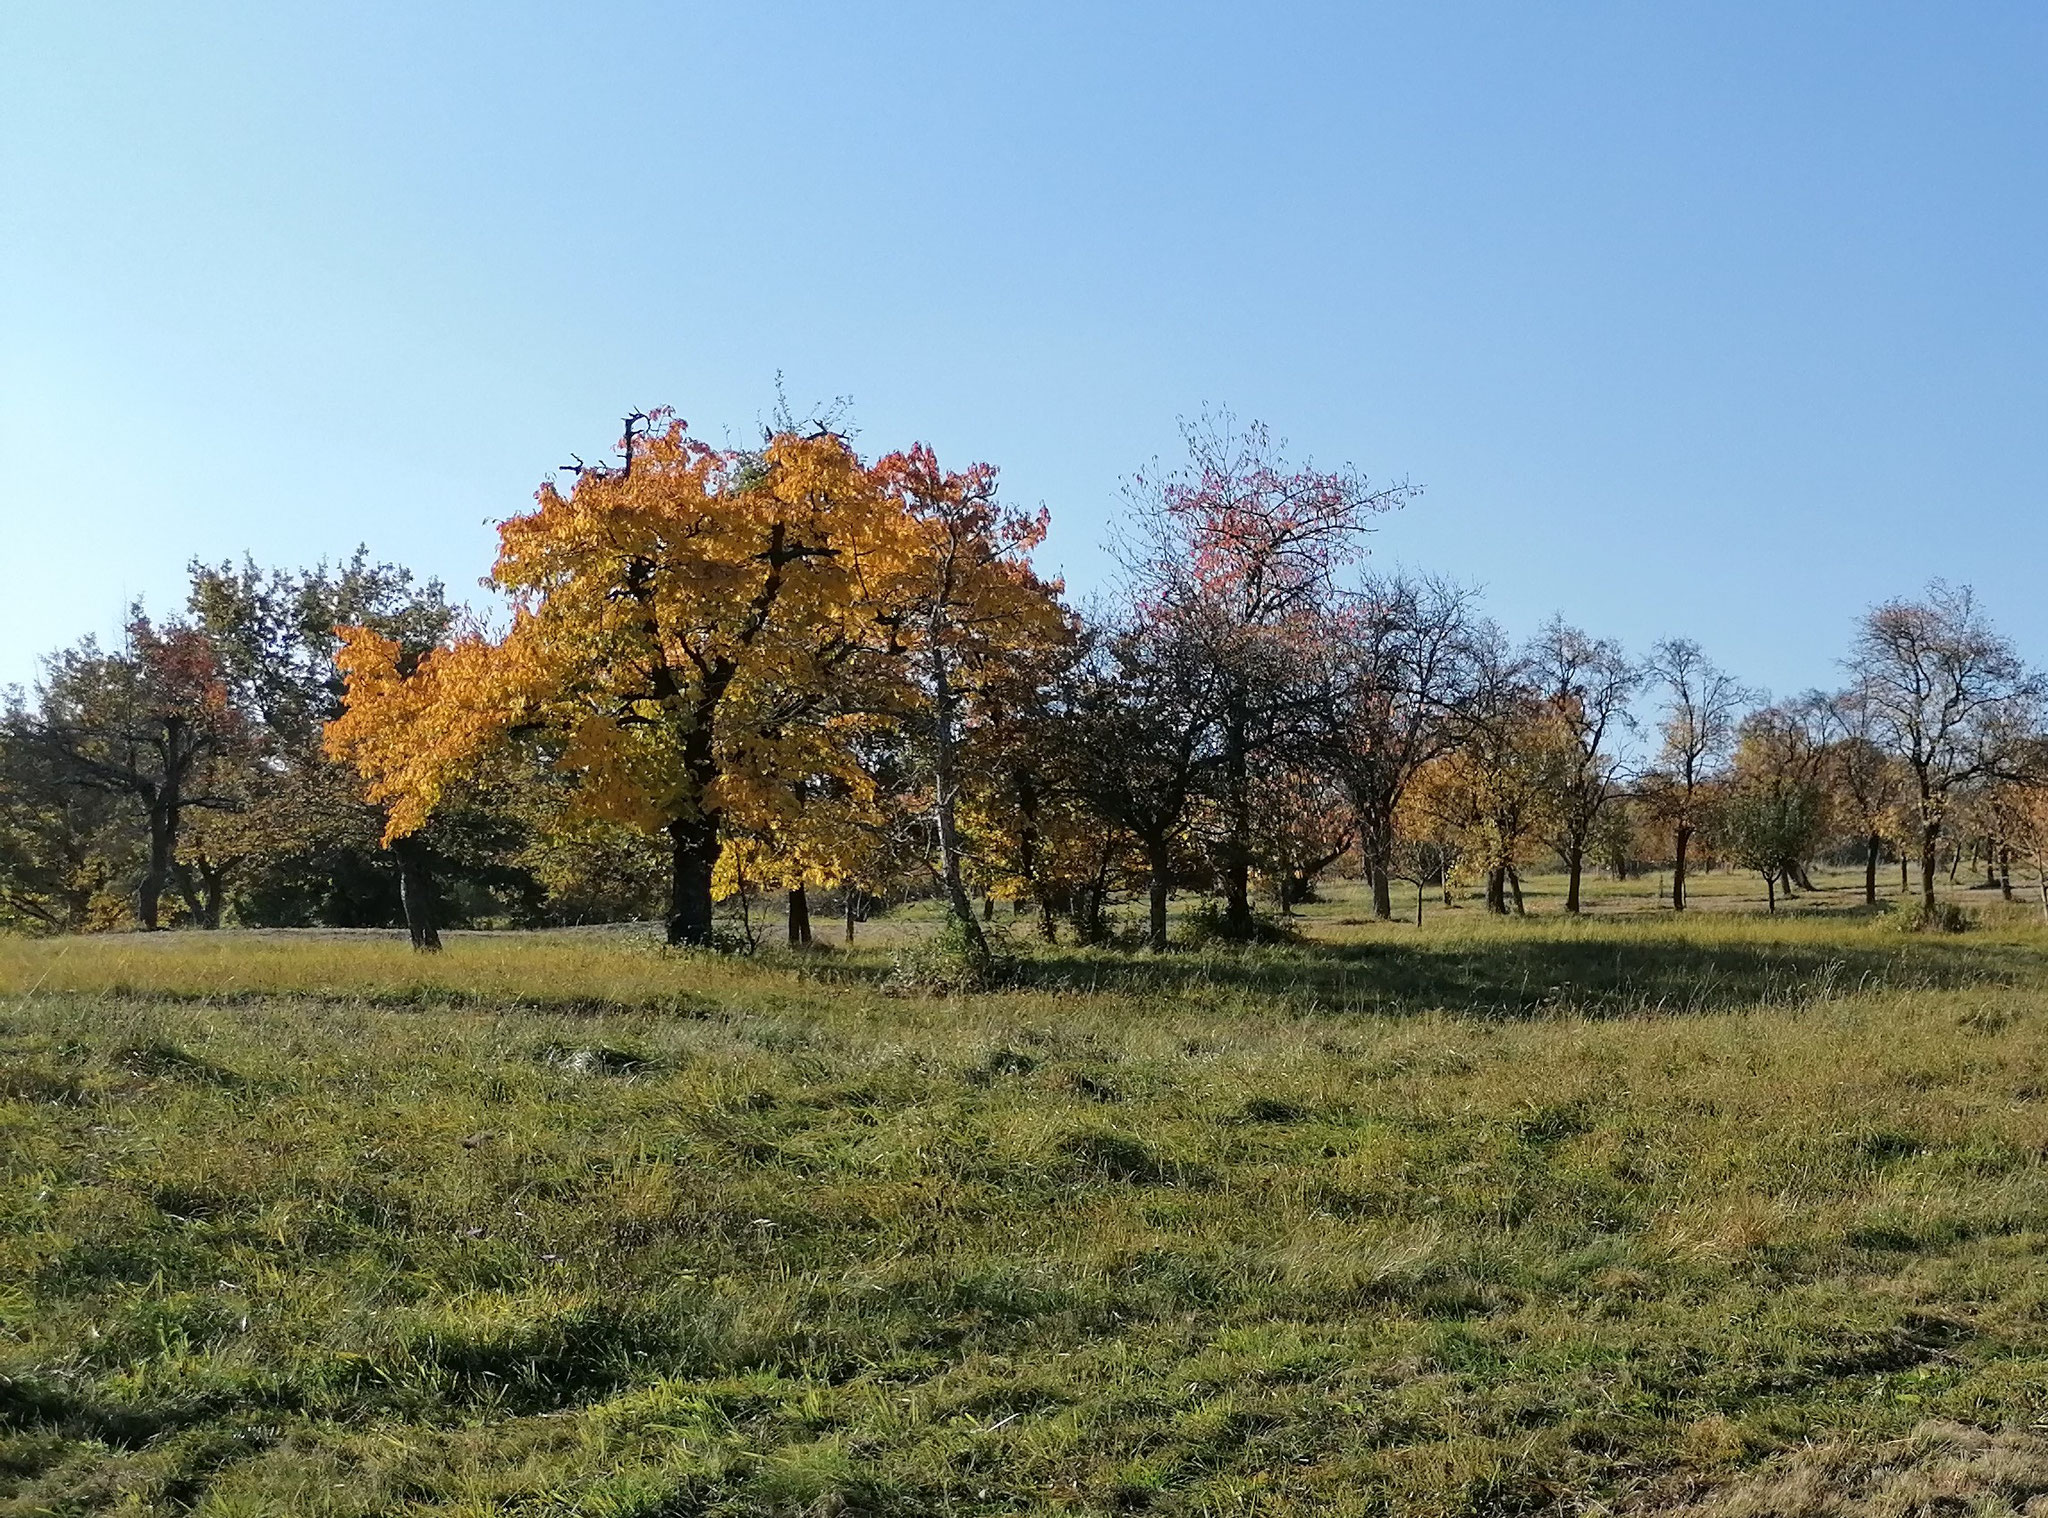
(1495, 1218)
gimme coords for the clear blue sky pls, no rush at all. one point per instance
(1721, 319)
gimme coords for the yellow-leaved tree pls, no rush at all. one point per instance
(964, 608)
(684, 623)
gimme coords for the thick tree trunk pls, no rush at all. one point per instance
(1930, 839)
(1376, 847)
(416, 895)
(163, 846)
(1872, 847)
(1681, 840)
(799, 917)
(2005, 873)
(1159, 888)
(1496, 891)
(693, 855)
(1574, 869)
(1237, 852)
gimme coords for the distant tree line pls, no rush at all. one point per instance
(788, 668)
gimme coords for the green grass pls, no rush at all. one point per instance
(1485, 1217)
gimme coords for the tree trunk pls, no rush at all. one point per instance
(1902, 871)
(1376, 848)
(945, 793)
(1680, 841)
(852, 911)
(1771, 890)
(213, 888)
(2005, 872)
(693, 855)
(1155, 928)
(1515, 890)
(163, 844)
(1930, 839)
(1237, 860)
(799, 917)
(1496, 891)
(1574, 868)
(416, 895)
(1871, 848)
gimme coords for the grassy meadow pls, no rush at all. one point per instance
(1724, 1215)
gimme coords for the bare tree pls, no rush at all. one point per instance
(1243, 549)
(1864, 778)
(1702, 706)
(1586, 683)
(1147, 707)
(1397, 669)
(1948, 697)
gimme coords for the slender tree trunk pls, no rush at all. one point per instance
(852, 911)
(1902, 871)
(799, 916)
(213, 887)
(2005, 872)
(1771, 890)
(945, 794)
(1871, 847)
(1681, 840)
(416, 895)
(1930, 839)
(693, 855)
(1515, 890)
(1574, 868)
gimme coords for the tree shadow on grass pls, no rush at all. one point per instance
(1509, 977)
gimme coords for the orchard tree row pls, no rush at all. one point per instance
(789, 668)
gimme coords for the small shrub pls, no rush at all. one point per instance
(1206, 925)
(949, 961)
(1942, 917)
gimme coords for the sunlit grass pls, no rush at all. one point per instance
(1486, 1217)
